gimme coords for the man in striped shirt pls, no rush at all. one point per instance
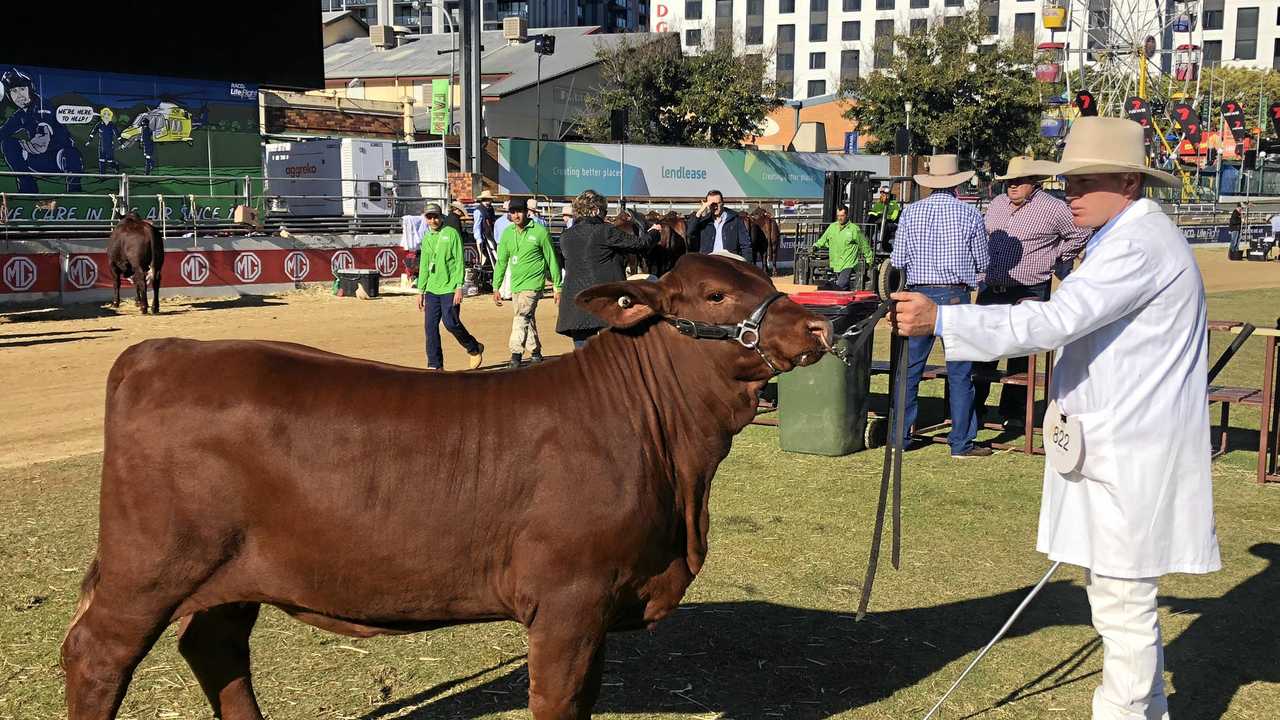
(941, 245)
(1030, 233)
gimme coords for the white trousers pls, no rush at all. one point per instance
(1124, 614)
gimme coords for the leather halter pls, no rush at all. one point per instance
(745, 333)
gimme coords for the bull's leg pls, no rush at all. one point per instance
(215, 643)
(115, 272)
(155, 291)
(108, 638)
(566, 661)
(140, 285)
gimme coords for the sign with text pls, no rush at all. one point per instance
(566, 169)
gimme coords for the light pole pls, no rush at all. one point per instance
(542, 45)
(911, 163)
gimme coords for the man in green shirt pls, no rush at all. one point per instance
(883, 216)
(440, 289)
(848, 250)
(526, 247)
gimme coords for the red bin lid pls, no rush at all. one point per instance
(827, 298)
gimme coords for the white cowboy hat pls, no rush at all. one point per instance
(944, 172)
(485, 195)
(1108, 145)
(1024, 166)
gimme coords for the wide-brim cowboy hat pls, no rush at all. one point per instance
(1105, 146)
(485, 195)
(1024, 166)
(944, 172)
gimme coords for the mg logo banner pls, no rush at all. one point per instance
(342, 260)
(82, 271)
(296, 266)
(248, 267)
(387, 262)
(19, 274)
(195, 269)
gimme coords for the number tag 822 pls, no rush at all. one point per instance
(1064, 440)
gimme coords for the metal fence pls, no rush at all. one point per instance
(180, 213)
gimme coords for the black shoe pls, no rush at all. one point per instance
(976, 451)
(1013, 425)
(917, 444)
(536, 358)
(515, 361)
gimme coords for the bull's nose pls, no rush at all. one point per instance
(821, 329)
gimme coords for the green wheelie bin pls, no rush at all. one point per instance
(822, 408)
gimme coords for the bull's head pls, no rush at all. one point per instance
(727, 307)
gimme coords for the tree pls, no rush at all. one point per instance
(1255, 90)
(712, 99)
(979, 101)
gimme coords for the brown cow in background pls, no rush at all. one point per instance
(270, 486)
(136, 251)
(766, 239)
(669, 245)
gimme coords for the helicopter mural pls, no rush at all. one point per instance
(168, 122)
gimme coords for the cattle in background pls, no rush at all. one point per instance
(136, 251)
(268, 485)
(670, 243)
(766, 239)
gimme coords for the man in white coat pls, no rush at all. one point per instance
(1129, 392)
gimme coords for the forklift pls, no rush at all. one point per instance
(856, 191)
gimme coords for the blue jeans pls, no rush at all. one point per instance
(964, 418)
(441, 307)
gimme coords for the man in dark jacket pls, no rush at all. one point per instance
(714, 227)
(594, 252)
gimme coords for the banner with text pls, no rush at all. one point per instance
(566, 169)
(173, 137)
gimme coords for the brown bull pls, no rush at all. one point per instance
(670, 242)
(766, 239)
(268, 485)
(136, 251)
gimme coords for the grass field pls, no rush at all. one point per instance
(767, 630)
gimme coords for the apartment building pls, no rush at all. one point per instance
(814, 45)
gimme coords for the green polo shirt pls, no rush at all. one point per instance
(440, 268)
(847, 244)
(528, 251)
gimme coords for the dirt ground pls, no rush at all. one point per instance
(54, 363)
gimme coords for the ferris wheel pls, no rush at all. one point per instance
(1125, 58)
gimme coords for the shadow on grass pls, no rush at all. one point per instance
(1234, 642)
(756, 659)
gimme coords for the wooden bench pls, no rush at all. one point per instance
(1263, 398)
(1041, 379)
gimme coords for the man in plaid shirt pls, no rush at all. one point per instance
(1030, 233)
(941, 246)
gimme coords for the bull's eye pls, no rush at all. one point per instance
(716, 297)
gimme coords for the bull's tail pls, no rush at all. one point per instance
(87, 586)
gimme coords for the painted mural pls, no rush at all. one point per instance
(64, 134)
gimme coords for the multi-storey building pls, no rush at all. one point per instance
(609, 15)
(815, 45)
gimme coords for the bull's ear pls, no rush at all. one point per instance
(622, 304)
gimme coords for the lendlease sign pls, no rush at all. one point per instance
(567, 169)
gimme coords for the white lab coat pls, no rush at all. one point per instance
(1131, 325)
